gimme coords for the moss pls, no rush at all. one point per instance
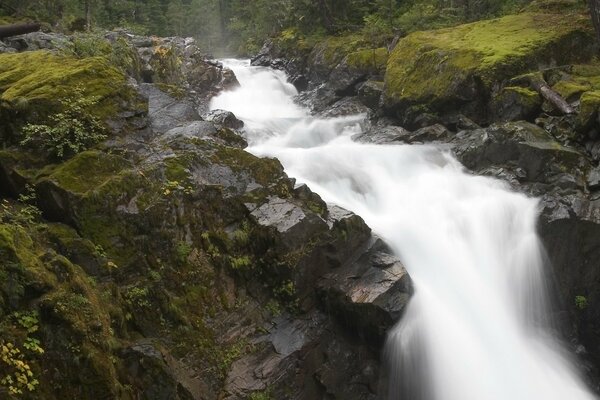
(36, 79)
(87, 171)
(166, 64)
(439, 67)
(569, 89)
(265, 171)
(369, 60)
(172, 90)
(590, 104)
(32, 85)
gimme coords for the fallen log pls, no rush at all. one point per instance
(18, 29)
(538, 83)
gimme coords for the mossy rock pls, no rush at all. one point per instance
(369, 60)
(33, 83)
(450, 69)
(516, 103)
(588, 112)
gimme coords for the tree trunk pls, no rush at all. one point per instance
(222, 24)
(18, 29)
(88, 15)
(595, 12)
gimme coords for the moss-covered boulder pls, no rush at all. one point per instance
(516, 103)
(458, 68)
(590, 105)
(527, 150)
(32, 85)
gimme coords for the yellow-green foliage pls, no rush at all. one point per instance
(579, 79)
(431, 66)
(35, 81)
(74, 175)
(590, 104)
(333, 49)
(369, 60)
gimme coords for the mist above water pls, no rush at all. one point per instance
(477, 326)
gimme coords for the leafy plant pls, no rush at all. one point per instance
(581, 302)
(68, 132)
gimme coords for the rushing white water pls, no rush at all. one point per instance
(475, 328)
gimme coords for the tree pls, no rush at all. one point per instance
(595, 12)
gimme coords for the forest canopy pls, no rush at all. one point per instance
(243, 25)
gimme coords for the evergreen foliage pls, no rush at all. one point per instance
(242, 25)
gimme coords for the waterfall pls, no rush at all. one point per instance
(477, 326)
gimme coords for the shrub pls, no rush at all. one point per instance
(581, 302)
(68, 132)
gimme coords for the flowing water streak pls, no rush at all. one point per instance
(475, 328)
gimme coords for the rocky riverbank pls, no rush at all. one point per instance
(481, 90)
(165, 262)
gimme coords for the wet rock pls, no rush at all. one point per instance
(431, 133)
(305, 358)
(165, 111)
(593, 179)
(223, 118)
(344, 107)
(150, 372)
(525, 146)
(368, 294)
(516, 103)
(291, 222)
(370, 92)
(319, 98)
(384, 135)
(264, 56)
(300, 82)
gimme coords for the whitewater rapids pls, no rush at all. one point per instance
(477, 327)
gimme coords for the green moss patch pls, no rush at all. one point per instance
(87, 171)
(590, 105)
(32, 85)
(457, 65)
(369, 60)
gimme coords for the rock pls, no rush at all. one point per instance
(431, 133)
(38, 41)
(204, 130)
(525, 146)
(368, 294)
(264, 58)
(384, 135)
(588, 112)
(332, 365)
(370, 92)
(223, 118)
(149, 370)
(38, 78)
(455, 69)
(165, 111)
(300, 82)
(593, 179)
(516, 103)
(229, 80)
(290, 221)
(4, 48)
(344, 107)
(319, 98)
(569, 227)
